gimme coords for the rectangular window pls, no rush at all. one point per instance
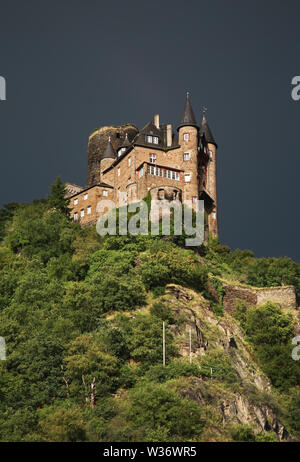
(186, 136)
(104, 192)
(85, 197)
(76, 216)
(186, 156)
(82, 213)
(152, 158)
(141, 172)
(213, 215)
(75, 201)
(89, 210)
(155, 139)
(119, 171)
(187, 177)
(149, 139)
(210, 155)
(168, 174)
(129, 162)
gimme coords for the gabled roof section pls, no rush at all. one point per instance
(206, 131)
(149, 129)
(98, 185)
(188, 117)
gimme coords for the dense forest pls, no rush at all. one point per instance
(82, 319)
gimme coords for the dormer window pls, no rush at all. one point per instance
(152, 139)
(121, 151)
(152, 158)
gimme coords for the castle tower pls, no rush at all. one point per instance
(188, 140)
(98, 140)
(107, 158)
(211, 175)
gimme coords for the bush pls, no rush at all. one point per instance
(155, 406)
(161, 311)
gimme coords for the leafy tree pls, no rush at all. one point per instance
(144, 339)
(57, 198)
(87, 363)
(6, 214)
(155, 406)
(163, 312)
(62, 424)
(267, 324)
(270, 331)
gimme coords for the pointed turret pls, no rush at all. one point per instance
(126, 142)
(206, 131)
(188, 117)
(109, 152)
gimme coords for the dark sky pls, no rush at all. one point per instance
(72, 66)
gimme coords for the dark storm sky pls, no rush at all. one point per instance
(72, 66)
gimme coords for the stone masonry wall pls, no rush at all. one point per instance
(284, 296)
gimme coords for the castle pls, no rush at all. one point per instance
(124, 164)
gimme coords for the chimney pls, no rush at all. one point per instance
(169, 135)
(156, 120)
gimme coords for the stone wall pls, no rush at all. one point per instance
(284, 296)
(235, 293)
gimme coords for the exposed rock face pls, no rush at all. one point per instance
(239, 410)
(97, 143)
(232, 404)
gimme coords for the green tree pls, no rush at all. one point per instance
(156, 406)
(6, 214)
(86, 364)
(62, 424)
(57, 198)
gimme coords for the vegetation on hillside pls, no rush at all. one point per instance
(82, 319)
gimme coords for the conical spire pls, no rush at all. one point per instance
(126, 142)
(188, 117)
(109, 152)
(205, 130)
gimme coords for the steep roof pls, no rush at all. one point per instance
(109, 152)
(126, 142)
(188, 117)
(206, 131)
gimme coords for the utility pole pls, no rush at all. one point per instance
(164, 344)
(190, 346)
